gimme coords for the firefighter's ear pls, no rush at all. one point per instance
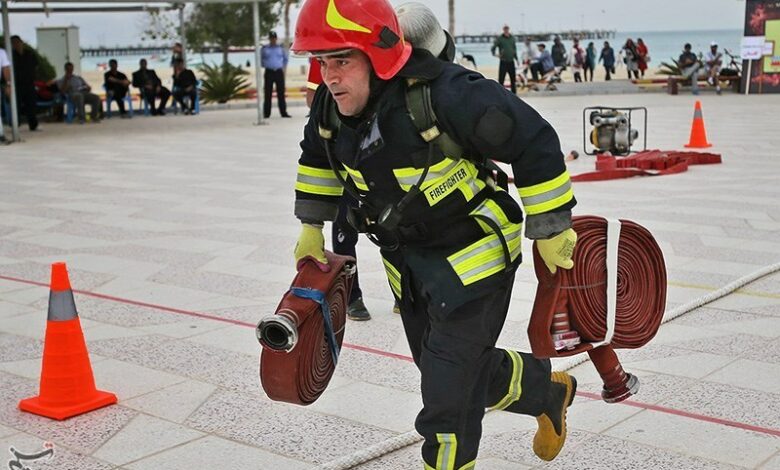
(494, 127)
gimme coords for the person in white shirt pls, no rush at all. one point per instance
(577, 59)
(530, 56)
(5, 68)
(713, 60)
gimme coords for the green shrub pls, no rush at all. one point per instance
(222, 83)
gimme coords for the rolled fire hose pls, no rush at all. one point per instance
(302, 339)
(614, 297)
(412, 437)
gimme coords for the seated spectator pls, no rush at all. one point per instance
(80, 93)
(530, 57)
(117, 85)
(549, 71)
(689, 66)
(713, 60)
(185, 85)
(150, 85)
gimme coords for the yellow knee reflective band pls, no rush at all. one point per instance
(544, 197)
(515, 387)
(321, 181)
(394, 277)
(448, 447)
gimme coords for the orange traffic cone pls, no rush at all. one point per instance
(67, 384)
(698, 138)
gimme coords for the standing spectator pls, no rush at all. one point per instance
(117, 86)
(5, 69)
(644, 57)
(590, 61)
(185, 85)
(631, 58)
(25, 66)
(274, 60)
(689, 66)
(607, 57)
(530, 57)
(577, 60)
(80, 93)
(177, 53)
(150, 85)
(507, 56)
(713, 60)
(559, 53)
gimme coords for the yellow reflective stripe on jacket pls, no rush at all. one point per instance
(490, 209)
(485, 257)
(515, 383)
(357, 177)
(544, 197)
(394, 277)
(321, 181)
(443, 179)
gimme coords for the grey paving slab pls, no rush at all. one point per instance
(292, 430)
(202, 222)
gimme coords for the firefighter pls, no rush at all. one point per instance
(408, 136)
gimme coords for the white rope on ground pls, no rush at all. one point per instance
(411, 437)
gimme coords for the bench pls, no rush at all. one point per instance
(673, 82)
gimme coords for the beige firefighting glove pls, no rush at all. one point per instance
(311, 247)
(558, 250)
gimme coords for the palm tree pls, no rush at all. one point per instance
(451, 8)
(286, 18)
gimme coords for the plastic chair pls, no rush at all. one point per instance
(128, 99)
(195, 106)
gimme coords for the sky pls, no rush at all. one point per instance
(472, 16)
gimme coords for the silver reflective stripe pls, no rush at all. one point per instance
(547, 196)
(412, 180)
(313, 180)
(697, 114)
(496, 262)
(487, 246)
(62, 307)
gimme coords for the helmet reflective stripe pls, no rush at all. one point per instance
(337, 21)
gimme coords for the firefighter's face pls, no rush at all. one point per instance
(347, 76)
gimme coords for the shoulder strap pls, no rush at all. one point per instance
(420, 108)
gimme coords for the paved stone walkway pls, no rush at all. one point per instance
(193, 214)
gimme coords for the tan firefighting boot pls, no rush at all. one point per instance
(551, 434)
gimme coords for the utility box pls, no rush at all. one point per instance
(60, 44)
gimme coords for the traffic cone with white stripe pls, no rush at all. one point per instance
(698, 138)
(67, 385)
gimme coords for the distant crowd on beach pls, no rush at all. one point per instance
(536, 65)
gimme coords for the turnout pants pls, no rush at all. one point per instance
(345, 237)
(274, 78)
(463, 373)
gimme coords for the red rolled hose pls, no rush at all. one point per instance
(298, 360)
(570, 309)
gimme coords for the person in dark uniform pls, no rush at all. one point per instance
(150, 85)
(449, 235)
(274, 60)
(185, 86)
(25, 67)
(117, 86)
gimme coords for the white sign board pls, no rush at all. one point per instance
(754, 47)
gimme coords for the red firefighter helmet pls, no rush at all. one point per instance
(370, 26)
